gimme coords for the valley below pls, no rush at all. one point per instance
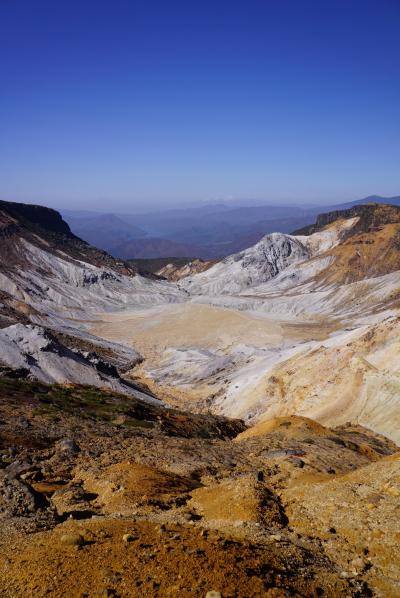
(230, 432)
(244, 364)
(213, 357)
(295, 343)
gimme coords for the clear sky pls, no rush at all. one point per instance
(110, 103)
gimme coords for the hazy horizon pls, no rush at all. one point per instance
(112, 207)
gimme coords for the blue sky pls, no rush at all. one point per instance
(110, 104)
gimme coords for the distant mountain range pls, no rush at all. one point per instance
(394, 201)
(153, 247)
(103, 230)
(208, 232)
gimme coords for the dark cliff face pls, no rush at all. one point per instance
(40, 216)
(371, 216)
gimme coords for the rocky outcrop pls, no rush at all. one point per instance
(255, 265)
(46, 228)
(32, 216)
(370, 217)
(41, 356)
(175, 272)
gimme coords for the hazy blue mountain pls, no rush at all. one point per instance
(153, 248)
(103, 230)
(395, 200)
(208, 231)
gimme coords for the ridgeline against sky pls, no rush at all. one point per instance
(107, 103)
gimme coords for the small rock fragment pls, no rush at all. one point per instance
(72, 539)
(275, 537)
(67, 445)
(17, 497)
(129, 538)
(358, 563)
(176, 537)
(188, 516)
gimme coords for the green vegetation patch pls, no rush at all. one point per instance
(85, 401)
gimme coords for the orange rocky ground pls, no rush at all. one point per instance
(102, 496)
(364, 255)
(357, 518)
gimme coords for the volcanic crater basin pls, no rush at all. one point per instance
(252, 364)
(195, 350)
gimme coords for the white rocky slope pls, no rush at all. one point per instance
(264, 261)
(63, 295)
(42, 357)
(67, 289)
